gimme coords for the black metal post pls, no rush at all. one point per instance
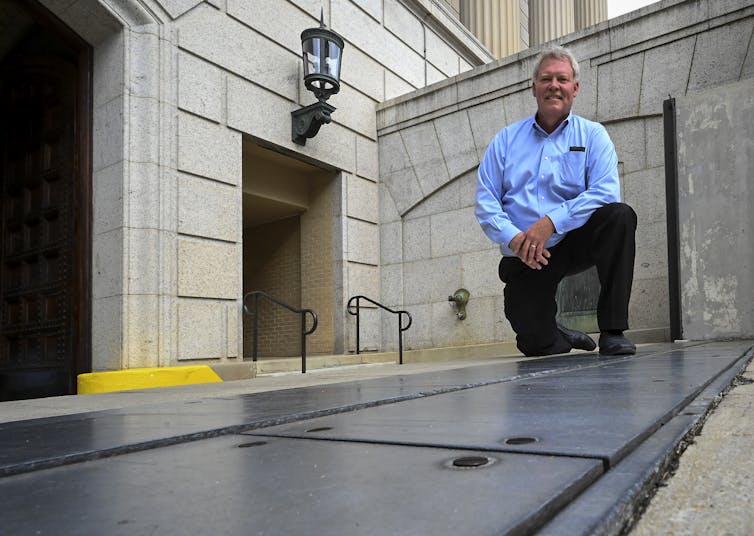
(303, 343)
(673, 224)
(255, 330)
(357, 326)
(400, 339)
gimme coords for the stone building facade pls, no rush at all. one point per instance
(187, 191)
(431, 143)
(196, 190)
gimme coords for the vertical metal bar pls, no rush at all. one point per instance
(357, 325)
(673, 224)
(255, 328)
(303, 342)
(400, 338)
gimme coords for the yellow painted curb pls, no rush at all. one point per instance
(144, 378)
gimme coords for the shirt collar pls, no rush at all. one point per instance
(539, 130)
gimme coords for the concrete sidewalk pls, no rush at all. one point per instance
(712, 490)
(710, 493)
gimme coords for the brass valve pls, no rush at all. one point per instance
(460, 298)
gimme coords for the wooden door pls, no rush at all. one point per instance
(43, 221)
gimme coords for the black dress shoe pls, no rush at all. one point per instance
(616, 344)
(577, 339)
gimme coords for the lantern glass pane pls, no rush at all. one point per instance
(332, 60)
(312, 53)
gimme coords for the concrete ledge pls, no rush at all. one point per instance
(293, 364)
(144, 378)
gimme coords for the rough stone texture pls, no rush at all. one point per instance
(451, 196)
(200, 87)
(391, 282)
(441, 56)
(143, 195)
(423, 150)
(719, 55)
(176, 8)
(364, 280)
(367, 163)
(107, 134)
(485, 121)
(649, 306)
(431, 280)
(363, 242)
(416, 239)
(248, 102)
(208, 150)
(715, 200)
(480, 276)
(407, 28)
(240, 59)
(398, 174)
(201, 329)
(107, 264)
(454, 232)
(395, 86)
(360, 195)
(391, 243)
(359, 71)
(108, 198)
(208, 270)
(618, 88)
(666, 73)
(710, 491)
(107, 81)
(107, 344)
(368, 34)
(142, 332)
(456, 143)
(205, 208)
(143, 261)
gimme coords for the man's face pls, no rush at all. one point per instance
(555, 89)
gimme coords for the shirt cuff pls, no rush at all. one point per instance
(559, 217)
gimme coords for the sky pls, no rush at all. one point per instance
(619, 7)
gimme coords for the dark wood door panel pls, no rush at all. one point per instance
(44, 218)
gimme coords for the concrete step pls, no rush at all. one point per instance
(278, 365)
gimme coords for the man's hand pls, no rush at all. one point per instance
(529, 246)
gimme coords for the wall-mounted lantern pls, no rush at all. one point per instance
(322, 53)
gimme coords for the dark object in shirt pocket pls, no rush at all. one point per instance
(573, 169)
(576, 148)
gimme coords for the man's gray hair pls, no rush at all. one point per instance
(559, 53)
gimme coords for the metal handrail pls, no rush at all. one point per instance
(255, 313)
(400, 314)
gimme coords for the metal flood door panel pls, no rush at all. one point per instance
(601, 412)
(263, 485)
(27, 444)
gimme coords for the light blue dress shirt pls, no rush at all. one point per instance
(527, 174)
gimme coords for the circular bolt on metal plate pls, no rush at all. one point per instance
(320, 429)
(520, 440)
(470, 462)
(252, 444)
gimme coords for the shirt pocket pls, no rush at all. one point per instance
(573, 169)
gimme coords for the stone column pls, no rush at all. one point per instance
(550, 19)
(589, 12)
(496, 23)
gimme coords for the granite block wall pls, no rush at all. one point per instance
(431, 142)
(179, 87)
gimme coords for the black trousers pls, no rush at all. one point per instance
(607, 241)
